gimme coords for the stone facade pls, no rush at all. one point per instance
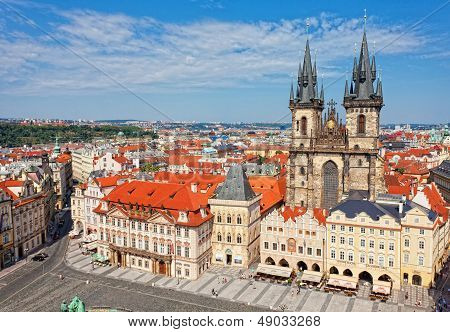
(329, 159)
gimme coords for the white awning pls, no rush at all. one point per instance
(91, 246)
(342, 281)
(273, 270)
(381, 287)
(312, 276)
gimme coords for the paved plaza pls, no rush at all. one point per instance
(229, 286)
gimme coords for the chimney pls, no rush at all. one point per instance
(194, 187)
(400, 207)
(282, 208)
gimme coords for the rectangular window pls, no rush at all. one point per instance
(319, 252)
(391, 262)
(391, 233)
(133, 243)
(391, 246)
(371, 244)
(178, 250)
(178, 231)
(300, 249)
(407, 243)
(161, 229)
(186, 232)
(422, 232)
(186, 272)
(155, 229)
(342, 228)
(274, 246)
(381, 261)
(350, 241)
(342, 255)
(363, 230)
(350, 229)
(146, 243)
(382, 232)
(161, 248)
(350, 257)
(420, 260)
(333, 254)
(342, 240)
(309, 251)
(406, 257)
(186, 252)
(371, 231)
(333, 227)
(362, 259)
(381, 246)
(371, 260)
(266, 245)
(155, 247)
(283, 247)
(333, 239)
(363, 242)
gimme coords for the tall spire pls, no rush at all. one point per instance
(379, 92)
(291, 96)
(321, 91)
(363, 83)
(355, 66)
(307, 82)
(346, 93)
(373, 68)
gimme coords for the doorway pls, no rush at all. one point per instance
(229, 259)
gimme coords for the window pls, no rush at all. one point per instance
(350, 241)
(302, 170)
(228, 219)
(422, 232)
(363, 230)
(341, 255)
(371, 231)
(362, 219)
(139, 227)
(350, 256)
(186, 272)
(219, 218)
(133, 225)
(333, 227)
(406, 229)
(266, 245)
(342, 228)
(161, 248)
(178, 250)
(239, 219)
(391, 246)
(186, 232)
(229, 238)
(371, 244)
(363, 242)
(133, 243)
(161, 229)
(420, 260)
(219, 237)
(146, 264)
(309, 251)
(178, 231)
(350, 229)
(421, 244)
(381, 231)
(139, 244)
(342, 240)
(155, 229)
(391, 233)
(186, 252)
(361, 124)
(274, 246)
(300, 249)
(381, 261)
(333, 238)
(297, 125)
(319, 252)
(362, 258)
(371, 260)
(333, 253)
(239, 240)
(405, 257)
(140, 262)
(304, 126)
(407, 243)
(391, 262)
(381, 245)
(416, 220)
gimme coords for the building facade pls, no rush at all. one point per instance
(236, 230)
(328, 159)
(6, 229)
(293, 238)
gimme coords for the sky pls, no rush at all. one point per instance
(215, 60)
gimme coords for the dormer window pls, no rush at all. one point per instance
(182, 216)
(203, 212)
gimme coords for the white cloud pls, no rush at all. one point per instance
(146, 54)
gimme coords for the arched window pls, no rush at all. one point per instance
(229, 219)
(219, 237)
(219, 218)
(229, 238)
(361, 124)
(239, 238)
(302, 170)
(304, 126)
(239, 219)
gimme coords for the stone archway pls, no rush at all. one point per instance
(302, 266)
(347, 273)
(269, 261)
(385, 277)
(315, 267)
(365, 276)
(330, 184)
(283, 263)
(334, 270)
(417, 280)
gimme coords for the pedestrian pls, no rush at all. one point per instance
(298, 290)
(292, 293)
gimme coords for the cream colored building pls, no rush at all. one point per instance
(236, 230)
(292, 237)
(390, 239)
(6, 228)
(83, 162)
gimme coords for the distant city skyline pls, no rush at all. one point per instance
(213, 61)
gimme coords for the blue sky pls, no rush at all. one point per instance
(208, 60)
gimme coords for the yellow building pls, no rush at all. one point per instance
(389, 239)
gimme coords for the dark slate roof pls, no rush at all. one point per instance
(443, 169)
(236, 186)
(353, 207)
(358, 194)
